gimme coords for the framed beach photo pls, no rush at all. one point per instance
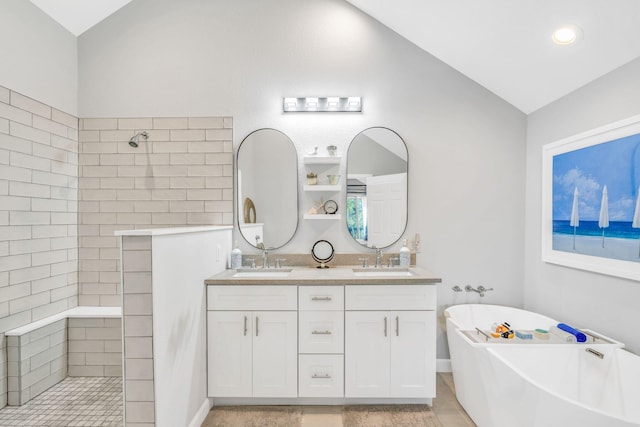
(591, 200)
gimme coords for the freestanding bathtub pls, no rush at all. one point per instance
(536, 383)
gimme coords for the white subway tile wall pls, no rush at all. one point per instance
(36, 361)
(3, 370)
(95, 347)
(137, 318)
(182, 175)
(38, 210)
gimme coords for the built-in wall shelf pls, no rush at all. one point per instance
(322, 160)
(323, 216)
(336, 187)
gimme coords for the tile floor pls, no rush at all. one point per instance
(76, 401)
(445, 412)
(96, 401)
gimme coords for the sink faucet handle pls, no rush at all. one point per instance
(253, 262)
(365, 262)
(278, 261)
(394, 261)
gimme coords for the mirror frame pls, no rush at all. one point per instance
(406, 222)
(237, 189)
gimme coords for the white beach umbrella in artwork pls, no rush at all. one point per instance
(636, 216)
(575, 216)
(603, 220)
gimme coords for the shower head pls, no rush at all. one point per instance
(134, 139)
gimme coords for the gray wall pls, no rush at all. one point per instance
(165, 58)
(39, 57)
(600, 302)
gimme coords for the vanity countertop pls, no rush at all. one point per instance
(336, 275)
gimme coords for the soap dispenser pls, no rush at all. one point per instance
(236, 257)
(405, 254)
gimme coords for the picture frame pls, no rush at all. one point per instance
(592, 180)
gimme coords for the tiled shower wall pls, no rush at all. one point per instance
(38, 210)
(38, 214)
(181, 176)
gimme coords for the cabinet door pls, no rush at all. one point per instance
(367, 353)
(275, 354)
(413, 357)
(229, 353)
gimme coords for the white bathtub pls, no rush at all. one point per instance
(564, 386)
(484, 377)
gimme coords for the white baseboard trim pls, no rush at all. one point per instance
(201, 414)
(443, 365)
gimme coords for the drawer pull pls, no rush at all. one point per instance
(320, 332)
(320, 298)
(385, 326)
(257, 326)
(245, 326)
(397, 326)
(321, 376)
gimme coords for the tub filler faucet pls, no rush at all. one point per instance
(480, 290)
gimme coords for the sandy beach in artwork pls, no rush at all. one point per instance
(615, 248)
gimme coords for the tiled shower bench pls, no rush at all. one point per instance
(82, 341)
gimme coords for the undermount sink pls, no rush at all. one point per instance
(400, 272)
(263, 273)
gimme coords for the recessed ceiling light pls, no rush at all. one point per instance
(566, 35)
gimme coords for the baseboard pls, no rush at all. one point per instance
(443, 365)
(201, 414)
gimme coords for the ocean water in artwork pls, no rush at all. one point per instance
(596, 198)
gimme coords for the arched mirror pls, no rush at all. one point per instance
(267, 173)
(377, 166)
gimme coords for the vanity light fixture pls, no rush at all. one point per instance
(322, 104)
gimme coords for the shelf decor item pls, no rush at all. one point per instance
(312, 178)
(330, 207)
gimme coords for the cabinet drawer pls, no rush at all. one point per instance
(321, 331)
(245, 297)
(321, 375)
(391, 297)
(321, 297)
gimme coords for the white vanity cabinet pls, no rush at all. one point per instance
(390, 341)
(252, 341)
(321, 341)
(333, 343)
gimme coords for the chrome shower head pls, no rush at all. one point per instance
(134, 139)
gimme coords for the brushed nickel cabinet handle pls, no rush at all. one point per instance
(320, 332)
(321, 376)
(245, 326)
(320, 298)
(256, 325)
(385, 326)
(397, 326)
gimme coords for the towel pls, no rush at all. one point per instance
(562, 335)
(580, 337)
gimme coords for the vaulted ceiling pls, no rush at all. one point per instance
(504, 45)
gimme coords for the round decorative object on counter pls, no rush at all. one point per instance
(330, 207)
(322, 251)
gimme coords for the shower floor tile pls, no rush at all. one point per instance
(75, 401)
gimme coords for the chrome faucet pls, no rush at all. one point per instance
(481, 289)
(265, 258)
(378, 257)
